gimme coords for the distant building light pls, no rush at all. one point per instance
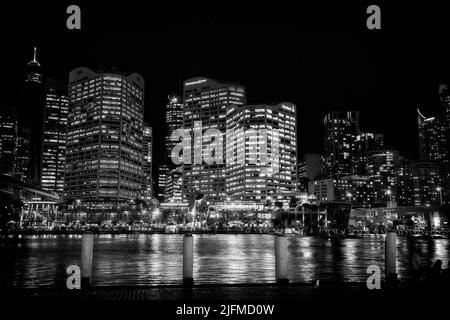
(194, 82)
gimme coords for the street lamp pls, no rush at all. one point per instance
(389, 192)
(349, 196)
(440, 193)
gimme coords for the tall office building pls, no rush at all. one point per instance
(341, 129)
(382, 165)
(163, 171)
(364, 144)
(249, 177)
(147, 149)
(428, 177)
(32, 116)
(104, 136)
(433, 138)
(444, 95)
(54, 138)
(8, 140)
(310, 167)
(173, 185)
(174, 119)
(405, 183)
(205, 101)
(444, 98)
(22, 158)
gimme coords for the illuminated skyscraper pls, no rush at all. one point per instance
(169, 175)
(434, 132)
(405, 183)
(382, 165)
(428, 177)
(174, 119)
(206, 101)
(54, 140)
(432, 138)
(173, 185)
(22, 159)
(147, 148)
(163, 171)
(250, 178)
(8, 140)
(364, 144)
(104, 137)
(32, 116)
(341, 129)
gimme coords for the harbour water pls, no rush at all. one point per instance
(156, 259)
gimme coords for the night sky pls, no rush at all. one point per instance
(321, 58)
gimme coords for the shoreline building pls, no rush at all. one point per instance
(173, 186)
(249, 177)
(167, 170)
(104, 136)
(8, 140)
(434, 132)
(205, 101)
(364, 145)
(163, 171)
(22, 159)
(147, 163)
(53, 156)
(382, 166)
(174, 120)
(432, 138)
(341, 129)
(31, 116)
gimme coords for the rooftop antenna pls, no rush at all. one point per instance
(34, 54)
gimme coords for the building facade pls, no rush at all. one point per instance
(8, 141)
(433, 138)
(341, 129)
(310, 167)
(53, 156)
(147, 150)
(364, 145)
(163, 171)
(205, 102)
(173, 186)
(431, 183)
(250, 175)
(32, 117)
(174, 119)
(104, 136)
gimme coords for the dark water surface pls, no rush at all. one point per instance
(32, 261)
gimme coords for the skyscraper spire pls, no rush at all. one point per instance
(34, 54)
(34, 61)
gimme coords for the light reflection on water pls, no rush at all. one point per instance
(32, 261)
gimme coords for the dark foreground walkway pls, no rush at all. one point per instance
(303, 292)
(328, 301)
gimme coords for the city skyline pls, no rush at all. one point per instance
(320, 71)
(203, 153)
(349, 150)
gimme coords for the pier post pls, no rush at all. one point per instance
(390, 256)
(87, 248)
(188, 260)
(281, 259)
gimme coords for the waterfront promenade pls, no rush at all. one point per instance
(324, 291)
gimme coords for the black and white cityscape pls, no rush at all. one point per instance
(208, 152)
